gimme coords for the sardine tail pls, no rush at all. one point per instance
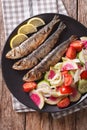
(73, 38)
(62, 26)
(55, 19)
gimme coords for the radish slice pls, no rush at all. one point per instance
(51, 74)
(37, 98)
(68, 65)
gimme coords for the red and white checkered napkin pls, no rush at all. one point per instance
(14, 12)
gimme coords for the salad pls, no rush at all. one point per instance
(65, 82)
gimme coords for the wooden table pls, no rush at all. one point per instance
(10, 120)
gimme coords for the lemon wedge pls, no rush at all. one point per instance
(36, 22)
(18, 39)
(27, 29)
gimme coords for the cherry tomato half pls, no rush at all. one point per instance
(77, 45)
(64, 103)
(68, 79)
(28, 86)
(65, 90)
(71, 53)
(83, 75)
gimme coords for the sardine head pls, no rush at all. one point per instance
(32, 76)
(14, 53)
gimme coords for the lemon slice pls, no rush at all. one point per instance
(17, 39)
(36, 22)
(27, 28)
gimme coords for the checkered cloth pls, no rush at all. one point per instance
(14, 12)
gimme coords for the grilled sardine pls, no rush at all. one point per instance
(51, 59)
(32, 59)
(33, 42)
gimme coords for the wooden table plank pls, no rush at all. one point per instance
(40, 121)
(71, 7)
(82, 11)
(64, 123)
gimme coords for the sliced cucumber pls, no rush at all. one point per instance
(83, 38)
(82, 87)
(58, 66)
(43, 87)
(75, 97)
(46, 76)
(43, 83)
(81, 57)
(57, 94)
(72, 73)
(52, 100)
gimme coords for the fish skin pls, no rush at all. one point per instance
(51, 59)
(32, 59)
(33, 42)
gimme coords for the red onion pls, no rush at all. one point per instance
(86, 65)
(85, 57)
(85, 44)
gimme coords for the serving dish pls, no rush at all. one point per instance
(13, 78)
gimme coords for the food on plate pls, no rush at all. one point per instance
(52, 100)
(44, 87)
(17, 40)
(27, 87)
(60, 73)
(83, 74)
(65, 81)
(82, 55)
(71, 52)
(51, 59)
(33, 59)
(75, 96)
(33, 42)
(64, 103)
(82, 86)
(65, 89)
(27, 28)
(83, 38)
(37, 98)
(43, 83)
(68, 65)
(84, 41)
(37, 22)
(77, 45)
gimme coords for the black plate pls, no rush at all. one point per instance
(13, 78)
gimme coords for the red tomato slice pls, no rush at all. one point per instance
(83, 75)
(64, 103)
(68, 79)
(71, 52)
(64, 72)
(77, 45)
(28, 86)
(65, 90)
